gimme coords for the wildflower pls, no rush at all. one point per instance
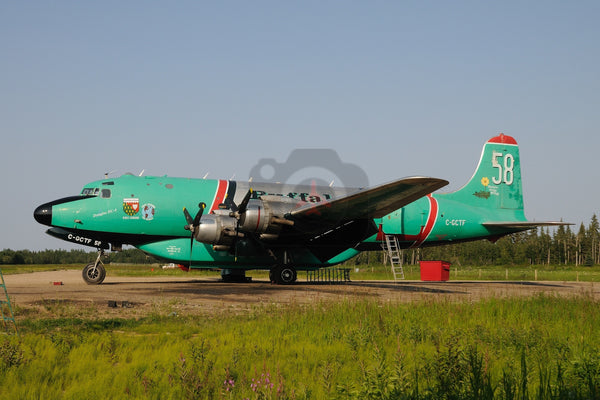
(228, 384)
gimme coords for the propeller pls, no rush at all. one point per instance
(237, 213)
(193, 225)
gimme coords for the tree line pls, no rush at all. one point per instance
(551, 246)
(543, 246)
(22, 257)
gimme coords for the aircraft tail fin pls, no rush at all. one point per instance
(496, 189)
(496, 183)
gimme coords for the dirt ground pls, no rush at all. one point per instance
(42, 293)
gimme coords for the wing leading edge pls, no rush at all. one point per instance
(371, 203)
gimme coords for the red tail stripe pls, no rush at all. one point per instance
(431, 219)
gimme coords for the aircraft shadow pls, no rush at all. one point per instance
(213, 288)
(258, 287)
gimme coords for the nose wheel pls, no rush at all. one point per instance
(94, 273)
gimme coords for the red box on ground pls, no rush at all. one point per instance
(435, 270)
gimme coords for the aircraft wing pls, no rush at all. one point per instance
(370, 203)
(330, 227)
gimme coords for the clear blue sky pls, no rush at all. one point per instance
(398, 88)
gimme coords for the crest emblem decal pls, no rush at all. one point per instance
(131, 206)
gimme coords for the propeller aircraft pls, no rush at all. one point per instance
(238, 226)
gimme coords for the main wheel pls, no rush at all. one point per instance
(283, 275)
(94, 274)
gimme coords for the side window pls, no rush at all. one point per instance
(105, 194)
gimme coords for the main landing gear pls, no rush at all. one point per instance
(283, 275)
(94, 273)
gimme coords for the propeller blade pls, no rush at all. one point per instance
(188, 217)
(193, 225)
(240, 210)
(244, 204)
(199, 214)
(191, 249)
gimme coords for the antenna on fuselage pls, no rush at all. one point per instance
(106, 174)
(205, 175)
(142, 173)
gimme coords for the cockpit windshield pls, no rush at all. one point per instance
(90, 191)
(104, 193)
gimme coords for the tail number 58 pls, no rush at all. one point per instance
(505, 165)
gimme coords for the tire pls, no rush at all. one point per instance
(283, 275)
(94, 275)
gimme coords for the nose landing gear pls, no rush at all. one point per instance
(94, 273)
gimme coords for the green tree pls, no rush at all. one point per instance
(593, 235)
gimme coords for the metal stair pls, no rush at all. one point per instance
(391, 245)
(6, 309)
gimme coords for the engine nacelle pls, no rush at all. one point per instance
(256, 218)
(216, 229)
(263, 218)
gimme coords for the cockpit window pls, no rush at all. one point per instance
(105, 194)
(90, 192)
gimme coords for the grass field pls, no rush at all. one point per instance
(543, 347)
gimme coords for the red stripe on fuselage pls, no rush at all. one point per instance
(431, 219)
(220, 195)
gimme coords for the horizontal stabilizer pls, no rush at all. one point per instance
(523, 224)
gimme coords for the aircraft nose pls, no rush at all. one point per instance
(43, 214)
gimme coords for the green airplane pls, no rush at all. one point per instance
(238, 226)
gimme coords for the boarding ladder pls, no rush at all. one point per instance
(6, 309)
(391, 245)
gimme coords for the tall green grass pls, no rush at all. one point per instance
(538, 348)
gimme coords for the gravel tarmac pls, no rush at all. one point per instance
(56, 293)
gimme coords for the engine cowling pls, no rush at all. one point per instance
(265, 216)
(257, 217)
(216, 229)
(262, 218)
